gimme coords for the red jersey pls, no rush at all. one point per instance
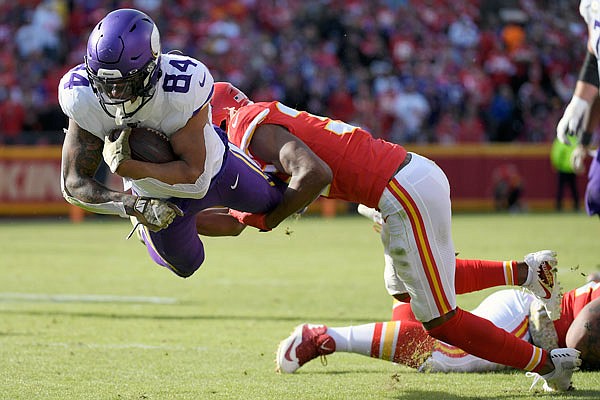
(572, 303)
(362, 166)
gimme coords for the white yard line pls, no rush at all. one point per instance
(83, 298)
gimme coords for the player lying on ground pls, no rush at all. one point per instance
(125, 81)
(403, 340)
(406, 341)
(317, 155)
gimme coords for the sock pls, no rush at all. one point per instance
(404, 342)
(401, 311)
(481, 338)
(529, 278)
(474, 275)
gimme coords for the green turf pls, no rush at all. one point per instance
(216, 333)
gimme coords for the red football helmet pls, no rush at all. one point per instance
(226, 98)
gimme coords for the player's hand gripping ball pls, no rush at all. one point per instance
(142, 144)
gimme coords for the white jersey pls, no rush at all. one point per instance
(507, 309)
(590, 11)
(185, 87)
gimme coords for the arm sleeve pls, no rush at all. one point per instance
(589, 70)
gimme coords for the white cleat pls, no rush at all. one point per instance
(566, 361)
(541, 328)
(542, 282)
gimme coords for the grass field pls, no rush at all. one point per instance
(84, 314)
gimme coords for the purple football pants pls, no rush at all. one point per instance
(239, 185)
(592, 190)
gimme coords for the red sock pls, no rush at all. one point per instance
(481, 338)
(401, 311)
(474, 275)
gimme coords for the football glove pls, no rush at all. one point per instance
(578, 158)
(371, 214)
(156, 214)
(250, 219)
(574, 120)
(116, 152)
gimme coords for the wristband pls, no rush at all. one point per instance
(589, 70)
(586, 138)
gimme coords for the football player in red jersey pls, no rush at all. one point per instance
(320, 156)
(404, 341)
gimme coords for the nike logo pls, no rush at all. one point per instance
(234, 121)
(237, 177)
(326, 349)
(289, 350)
(546, 279)
(547, 293)
(203, 81)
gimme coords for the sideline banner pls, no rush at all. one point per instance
(30, 181)
(30, 176)
(474, 170)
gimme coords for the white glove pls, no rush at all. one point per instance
(371, 214)
(574, 120)
(156, 214)
(578, 158)
(116, 152)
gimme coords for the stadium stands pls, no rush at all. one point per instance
(423, 71)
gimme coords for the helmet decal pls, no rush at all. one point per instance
(155, 41)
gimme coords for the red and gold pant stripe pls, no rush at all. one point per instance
(426, 255)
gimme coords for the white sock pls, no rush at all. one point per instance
(353, 339)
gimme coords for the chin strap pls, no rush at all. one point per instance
(119, 114)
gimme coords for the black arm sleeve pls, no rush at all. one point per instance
(589, 70)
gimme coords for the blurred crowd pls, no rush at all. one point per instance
(410, 71)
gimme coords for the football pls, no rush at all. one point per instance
(150, 145)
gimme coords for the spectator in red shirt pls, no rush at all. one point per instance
(12, 117)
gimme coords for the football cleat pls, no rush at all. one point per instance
(306, 343)
(542, 282)
(541, 328)
(566, 361)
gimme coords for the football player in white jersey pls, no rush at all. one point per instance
(582, 114)
(125, 81)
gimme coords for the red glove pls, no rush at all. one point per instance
(255, 220)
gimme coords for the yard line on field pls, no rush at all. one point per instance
(83, 298)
